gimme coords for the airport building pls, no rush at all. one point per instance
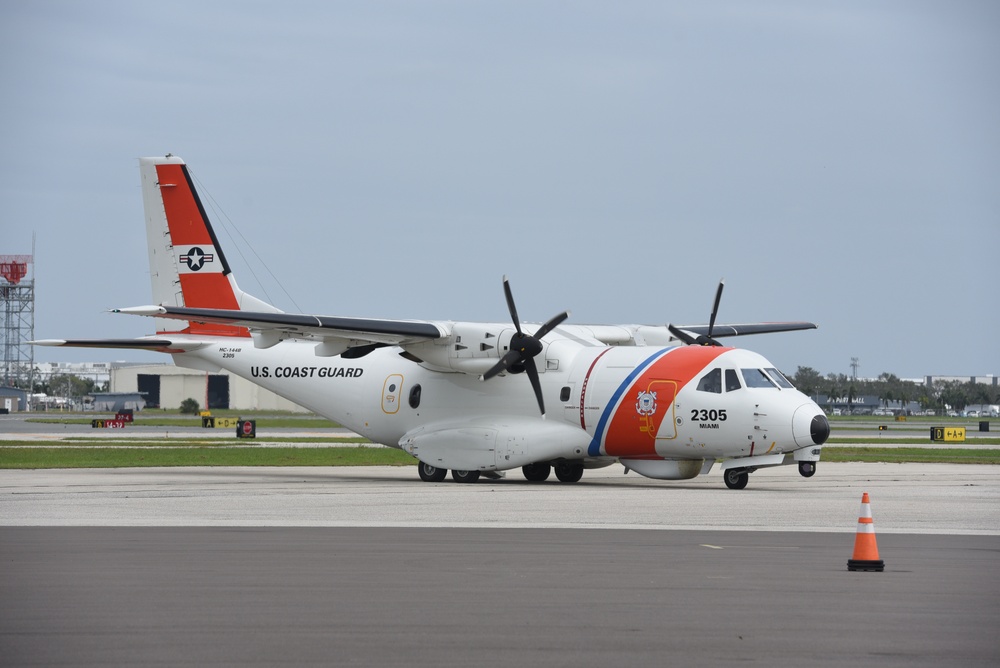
(166, 386)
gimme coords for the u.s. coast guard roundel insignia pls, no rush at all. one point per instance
(646, 405)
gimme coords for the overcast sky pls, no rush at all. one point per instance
(837, 162)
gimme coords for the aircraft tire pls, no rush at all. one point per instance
(538, 472)
(569, 471)
(430, 473)
(736, 478)
(807, 469)
(465, 476)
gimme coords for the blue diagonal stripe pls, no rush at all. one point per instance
(595, 445)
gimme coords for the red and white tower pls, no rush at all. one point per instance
(17, 308)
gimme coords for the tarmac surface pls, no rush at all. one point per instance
(370, 566)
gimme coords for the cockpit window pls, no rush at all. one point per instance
(780, 379)
(757, 378)
(711, 382)
(732, 381)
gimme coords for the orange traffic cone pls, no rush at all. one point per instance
(865, 549)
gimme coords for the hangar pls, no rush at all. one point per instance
(166, 386)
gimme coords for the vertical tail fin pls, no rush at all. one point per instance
(186, 263)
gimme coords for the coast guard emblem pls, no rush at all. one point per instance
(646, 405)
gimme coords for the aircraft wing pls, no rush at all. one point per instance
(273, 326)
(747, 328)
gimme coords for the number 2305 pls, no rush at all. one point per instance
(702, 415)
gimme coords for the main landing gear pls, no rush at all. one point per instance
(430, 473)
(807, 469)
(538, 472)
(465, 476)
(569, 471)
(565, 471)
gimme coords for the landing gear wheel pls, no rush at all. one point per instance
(536, 472)
(807, 469)
(736, 478)
(569, 471)
(430, 473)
(465, 476)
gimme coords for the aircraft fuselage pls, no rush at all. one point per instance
(621, 402)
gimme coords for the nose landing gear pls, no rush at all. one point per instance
(736, 478)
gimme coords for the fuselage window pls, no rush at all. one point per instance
(711, 382)
(732, 381)
(780, 379)
(564, 394)
(757, 378)
(415, 396)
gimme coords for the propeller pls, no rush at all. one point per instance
(704, 339)
(523, 348)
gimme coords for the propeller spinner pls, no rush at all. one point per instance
(704, 339)
(524, 348)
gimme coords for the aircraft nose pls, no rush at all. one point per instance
(810, 426)
(820, 429)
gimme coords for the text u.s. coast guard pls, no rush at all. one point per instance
(306, 372)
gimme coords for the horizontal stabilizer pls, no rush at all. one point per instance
(159, 345)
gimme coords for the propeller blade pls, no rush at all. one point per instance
(554, 322)
(509, 358)
(715, 307)
(536, 385)
(510, 305)
(682, 335)
(523, 348)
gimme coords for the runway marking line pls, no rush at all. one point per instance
(750, 547)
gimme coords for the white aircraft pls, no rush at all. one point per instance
(665, 402)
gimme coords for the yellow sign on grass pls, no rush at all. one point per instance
(948, 434)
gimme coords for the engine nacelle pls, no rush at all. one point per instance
(494, 444)
(471, 348)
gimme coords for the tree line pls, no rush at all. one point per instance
(940, 395)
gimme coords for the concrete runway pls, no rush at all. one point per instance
(906, 498)
(370, 566)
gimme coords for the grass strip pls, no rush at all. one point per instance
(191, 442)
(47, 458)
(911, 455)
(198, 454)
(142, 421)
(875, 440)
